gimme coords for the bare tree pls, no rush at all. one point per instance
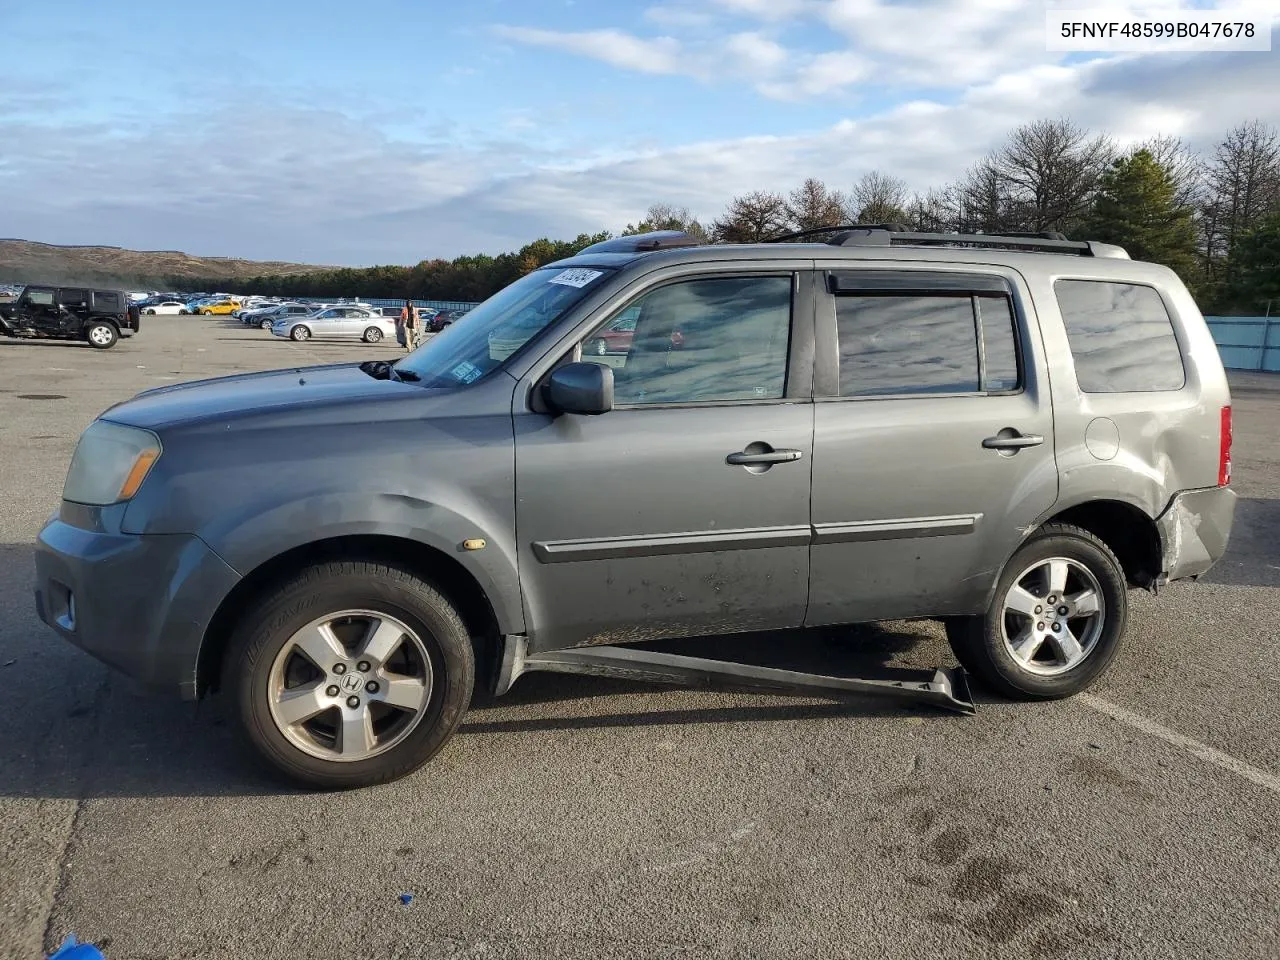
(811, 205)
(751, 218)
(664, 216)
(983, 201)
(1050, 171)
(935, 211)
(1242, 185)
(879, 198)
(1184, 166)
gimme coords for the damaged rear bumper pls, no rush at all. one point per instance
(1194, 530)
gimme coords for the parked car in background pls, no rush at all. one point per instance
(359, 323)
(169, 307)
(98, 317)
(442, 319)
(219, 308)
(254, 303)
(615, 338)
(267, 316)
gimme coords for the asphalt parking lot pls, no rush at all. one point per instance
(580, 817)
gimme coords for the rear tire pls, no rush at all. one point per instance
(1026, 647)
(264, 324)
(372, 335)
(300, 334)
(431, 634)
(101, 336)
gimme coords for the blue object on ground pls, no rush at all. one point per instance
(406, 898)
(71, 950)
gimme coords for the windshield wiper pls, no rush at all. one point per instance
(386, 370)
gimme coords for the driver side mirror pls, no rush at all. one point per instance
(585, 388)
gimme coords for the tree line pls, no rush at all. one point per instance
(1214, 218)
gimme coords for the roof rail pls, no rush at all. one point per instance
(877, 237)
(815, 231)
(1041, 234)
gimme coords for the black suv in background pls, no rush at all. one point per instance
(98, 317)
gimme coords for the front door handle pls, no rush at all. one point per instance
(1011, 440)
(742, 458)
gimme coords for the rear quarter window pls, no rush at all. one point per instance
(105, 300)
(1121, 337)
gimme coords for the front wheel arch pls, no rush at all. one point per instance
(432, 565)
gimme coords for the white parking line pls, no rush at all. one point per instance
(1197, 749)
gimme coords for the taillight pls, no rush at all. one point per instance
(1224, 448)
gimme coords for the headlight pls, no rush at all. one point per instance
(110, 463)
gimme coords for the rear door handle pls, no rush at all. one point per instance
(742, 458)
(1012, 441)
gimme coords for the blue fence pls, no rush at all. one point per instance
(1247, 343)
(463, 305)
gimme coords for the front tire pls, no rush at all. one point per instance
(372, 335)
(1056, 620)
(392, 646)
(149, 313)
(300, 334)
(265, 325)
(101, 336)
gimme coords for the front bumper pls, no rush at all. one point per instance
(1194, 530)
(140, 604)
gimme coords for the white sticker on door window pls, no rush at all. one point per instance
(575, 277)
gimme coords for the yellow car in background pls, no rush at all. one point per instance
(216, 309)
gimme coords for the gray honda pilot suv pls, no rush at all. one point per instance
(1002, 433)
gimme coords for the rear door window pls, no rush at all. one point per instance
(918, 343)
(1121, 337)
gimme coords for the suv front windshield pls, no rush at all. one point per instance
(479, 341)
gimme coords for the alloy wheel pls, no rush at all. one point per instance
(350, 685)
(1052, 616)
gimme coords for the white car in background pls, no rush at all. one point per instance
(171, 307)
(348, 323)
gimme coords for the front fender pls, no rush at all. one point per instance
(248, 540)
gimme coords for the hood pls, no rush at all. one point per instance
(249, 393)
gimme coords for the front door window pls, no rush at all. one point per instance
(701, 341)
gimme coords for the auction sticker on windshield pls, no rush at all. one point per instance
(466, 372)
(575, 277)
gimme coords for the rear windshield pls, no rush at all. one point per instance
(482, 339)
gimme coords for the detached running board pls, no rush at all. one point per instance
(947, 689)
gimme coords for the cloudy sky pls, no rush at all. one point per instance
(389, 131)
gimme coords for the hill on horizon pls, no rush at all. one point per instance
(30, 261)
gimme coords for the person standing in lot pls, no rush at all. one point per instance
(407, 328)
(401, 338)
